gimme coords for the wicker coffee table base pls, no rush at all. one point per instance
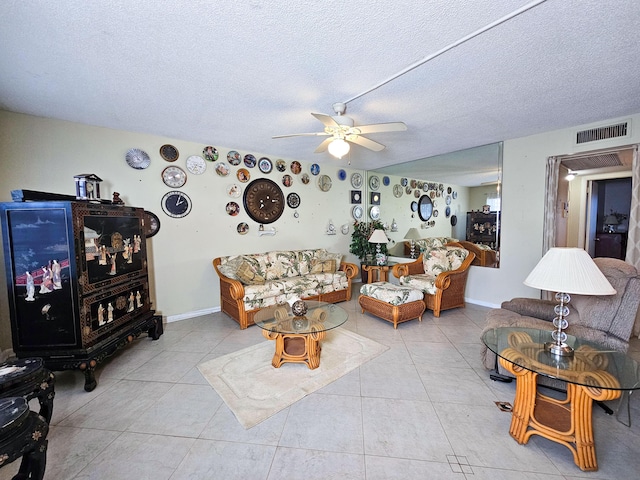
(392, 313)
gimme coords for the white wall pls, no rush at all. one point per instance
(43, 154)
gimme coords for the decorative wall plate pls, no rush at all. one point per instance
(234, 190)
(174, 176)
(243, 175)
(454, 195)
(293, 200)
(169, 153)
(305, 178)
(447, 211)
(356, 180)
(449, 189)
(296, 168)
(324, 183)
(454, 220)
(386, 181)
(210, 153)
(414, 206)
(448, 200)
(435, 213)
(374, 182)
(233, 209)
(242, 228)
(342, 175)
(408, 190)
(416, 193)
(413, 183)
(404, 182)
(196, 164)
(315, 169)
(138, 159)
(222, 169)
(357, 212)
(281, 165)
(265, 165)
(234, 158)
(374, 212)
(397, 190)
(250, 161)
(287, 180)
(345, 229)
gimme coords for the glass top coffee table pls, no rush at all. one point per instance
(593, 373)
(298, 337)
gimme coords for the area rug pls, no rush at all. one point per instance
(254, 390)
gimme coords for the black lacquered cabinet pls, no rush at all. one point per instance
(77, 281)
(483, 228)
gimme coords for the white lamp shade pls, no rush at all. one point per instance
(339, 148)
(378, 236)
(569, 270)
(611, 220)
(412, 234)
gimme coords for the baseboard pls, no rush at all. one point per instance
(481, 303)
(196, 313)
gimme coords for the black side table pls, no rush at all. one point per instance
(23, 433)
(28, 378)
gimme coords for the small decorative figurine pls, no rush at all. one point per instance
(116, 199)
(299, 308)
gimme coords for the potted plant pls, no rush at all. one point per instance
(360, 245)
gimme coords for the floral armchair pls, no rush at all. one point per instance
(440, 273)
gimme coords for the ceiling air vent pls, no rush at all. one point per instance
(602, 133)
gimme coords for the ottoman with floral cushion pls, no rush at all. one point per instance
(394, 303)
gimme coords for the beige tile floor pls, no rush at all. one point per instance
(423, 410)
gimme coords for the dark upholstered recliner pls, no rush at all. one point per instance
(607, 320)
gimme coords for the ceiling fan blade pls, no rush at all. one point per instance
(302, 135)
(327, 120)
(365, 142)
(324, 145)
(382, 127)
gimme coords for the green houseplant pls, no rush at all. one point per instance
(360, 245)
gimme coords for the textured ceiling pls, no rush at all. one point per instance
(233, 74)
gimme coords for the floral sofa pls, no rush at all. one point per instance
(254, 281)
(440, 273)
(426, 243)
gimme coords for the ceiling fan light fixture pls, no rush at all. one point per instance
(339, 148)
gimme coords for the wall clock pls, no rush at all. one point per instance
(174, 177)
(151, 224)
(196, 164)
(263, 200)
(169, 153)
(176, 204)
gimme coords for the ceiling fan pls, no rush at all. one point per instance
(341, 129)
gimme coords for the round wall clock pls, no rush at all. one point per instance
(293, 200)
(176, 204)
(263, 200)
(196, 164)
(169, 153)
(151, 224)
(138, 159)
(174, 177)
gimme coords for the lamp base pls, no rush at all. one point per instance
(558, 349)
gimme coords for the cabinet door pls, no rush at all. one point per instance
(609, 245)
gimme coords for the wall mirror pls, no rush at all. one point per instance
(478, 170)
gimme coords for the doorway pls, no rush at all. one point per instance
(609, 203)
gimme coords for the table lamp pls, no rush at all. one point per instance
(567, 271)
(412, 235)
(610, 222)
(378, 236)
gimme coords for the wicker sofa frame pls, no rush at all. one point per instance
(450, 286)
(232, 294)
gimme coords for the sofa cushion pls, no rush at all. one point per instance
(443, 259)
(424, 282)
(229, 266)
(390, 293)
(323, 266)
(432, 242)
(247, 274)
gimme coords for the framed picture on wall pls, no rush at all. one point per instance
(356, 196)
(375, 198)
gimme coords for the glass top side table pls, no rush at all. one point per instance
(593, 373)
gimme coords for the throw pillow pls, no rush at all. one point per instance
(230, 267)
(323, 266)
(247, 275)
(337, 257)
